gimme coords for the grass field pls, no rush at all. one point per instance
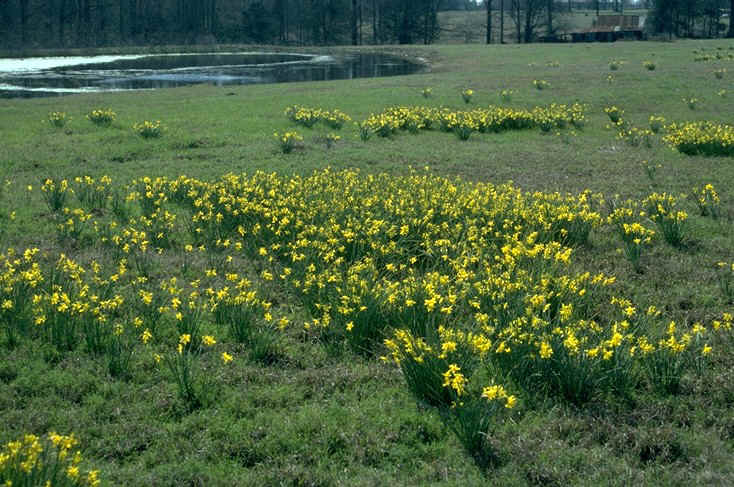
(461, 27)
(317, 406)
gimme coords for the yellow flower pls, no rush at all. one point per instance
(545, 350)
(226, 358)
(208, 340)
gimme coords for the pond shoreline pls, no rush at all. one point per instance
(422, 55)
(105, 72)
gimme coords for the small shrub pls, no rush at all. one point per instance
(649, 65)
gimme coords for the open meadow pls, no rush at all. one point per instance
(514, 269)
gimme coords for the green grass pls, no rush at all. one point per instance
(325, 416)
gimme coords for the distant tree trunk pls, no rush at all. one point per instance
(549, 6)
(405, 34)
(120, 20)
(502, 21)
(354, 19)
(731, 19)
(488, 3)
(62, 22)
(24, 22)
(374, 22)
(101, 30)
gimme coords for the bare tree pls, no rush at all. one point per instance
(488, 4)
(527, 16)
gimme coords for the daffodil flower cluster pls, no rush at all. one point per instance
(656, 123)
(704, 138)
(671, 221)
(57, 119)
(614, 113)
(102, 117)
(707, 200)
(288, 141)
(53, 460)
(148, 129)
(463, 123)
(308, 117)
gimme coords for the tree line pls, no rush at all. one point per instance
(80, 23)
(93, 23)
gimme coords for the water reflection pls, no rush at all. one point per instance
(58, 76)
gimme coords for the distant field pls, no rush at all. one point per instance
(471, 26)
(343, 244)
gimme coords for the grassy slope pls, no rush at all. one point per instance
(460, 26)
(320, 419)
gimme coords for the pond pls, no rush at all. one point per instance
(51, 76)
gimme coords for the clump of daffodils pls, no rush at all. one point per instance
(707, 200)
(614, 113)
(506, 95)
(102, 117)
(53, 460)
(467, 95)
(705, 138)
(148, 129)
(691, 102)
(58, 119)
(288, 141)
(540, 84)
(331, 139)
(656, 123)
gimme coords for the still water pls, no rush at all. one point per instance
(51, 76)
